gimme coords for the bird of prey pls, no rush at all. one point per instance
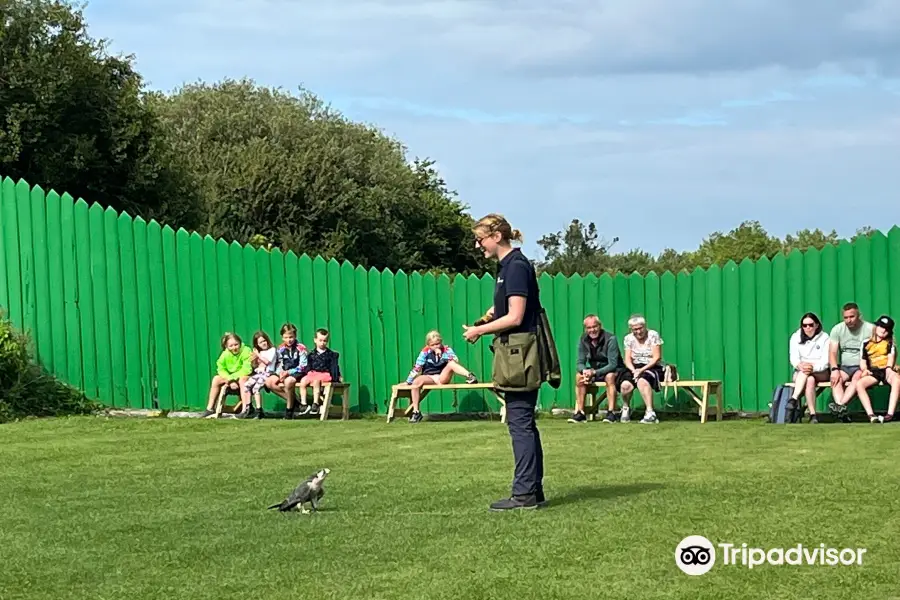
(309, 491)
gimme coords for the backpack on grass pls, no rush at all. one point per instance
(782, 409)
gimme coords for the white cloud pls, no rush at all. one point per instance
(661, 120)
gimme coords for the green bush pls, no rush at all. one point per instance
(26, 389)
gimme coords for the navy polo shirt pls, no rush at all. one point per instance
(516, 277)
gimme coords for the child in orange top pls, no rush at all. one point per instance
(878, 357)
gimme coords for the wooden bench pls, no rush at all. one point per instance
(328, 390)
(705, 388)
(405, 391)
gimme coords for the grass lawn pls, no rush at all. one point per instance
(145, 509)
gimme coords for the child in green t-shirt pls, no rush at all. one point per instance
(233, 367)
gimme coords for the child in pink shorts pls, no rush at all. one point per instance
(322, 367)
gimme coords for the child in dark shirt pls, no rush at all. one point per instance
(322, 367)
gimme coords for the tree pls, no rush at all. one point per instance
(288, 170)
(574, 250)
(73, 118)
(747, 240)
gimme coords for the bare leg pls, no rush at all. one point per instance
(862, 387)
(245, 394)
(289, 383)
(610, 380)
(850, 390)
(894, 381)
(416, 393)
(257, 399)
(646, 394)
(317, 387)
(811, 382)
(301, 390)
(837, 391)
(580, 392)
(215, 388)
(799, 384)
(455, 367)
(276, 387)
(627, 390)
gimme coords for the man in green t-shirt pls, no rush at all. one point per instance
(847, 340)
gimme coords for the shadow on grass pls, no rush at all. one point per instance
(601, 492)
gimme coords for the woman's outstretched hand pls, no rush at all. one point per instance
(471, 334)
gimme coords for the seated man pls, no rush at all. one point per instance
(598, 360)
(847, 340)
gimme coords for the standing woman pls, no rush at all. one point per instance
(516, 309)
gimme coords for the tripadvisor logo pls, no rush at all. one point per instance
(696, 555)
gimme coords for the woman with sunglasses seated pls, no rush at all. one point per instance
(809, 348)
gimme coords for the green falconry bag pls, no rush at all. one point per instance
(523, 361)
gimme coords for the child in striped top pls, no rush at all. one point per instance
(435, 365)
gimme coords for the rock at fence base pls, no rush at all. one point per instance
(129, 412)
(184, 414)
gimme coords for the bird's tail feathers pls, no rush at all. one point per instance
(277, 505)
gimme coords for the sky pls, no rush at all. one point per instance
(661, 121)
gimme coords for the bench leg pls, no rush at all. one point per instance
(345, 404)
(220, 403)
(704, 402)
(326, 402)
(593, 399)
(392, 405)
(720, 407)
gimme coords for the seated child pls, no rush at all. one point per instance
(285, 370)
(435, 365)
(322, 367)
(877, 361)
(233, 368)
(262, 357)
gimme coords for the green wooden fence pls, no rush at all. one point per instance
(132, 312)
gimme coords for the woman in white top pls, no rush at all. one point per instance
(809, 347)
(643, 368)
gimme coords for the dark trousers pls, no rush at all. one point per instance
(526, 442)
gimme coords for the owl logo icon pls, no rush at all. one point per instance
(695, 555)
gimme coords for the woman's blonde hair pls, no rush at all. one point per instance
(433, 336)
(493, 223)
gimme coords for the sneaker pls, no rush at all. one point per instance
(626, 414)
(515, 502)
(315, 409)
(288, 414)
(539, 497)
(416, 417)
(875, 419)
(471, 379)
(887, 418)
(837, 409)
(813, 419)
(304, 409)
(650, 418)
(207, 413)
(610, 417)
(244, 414)
(260, 414)
(578, 418)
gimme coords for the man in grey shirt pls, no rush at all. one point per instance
(847, 340)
